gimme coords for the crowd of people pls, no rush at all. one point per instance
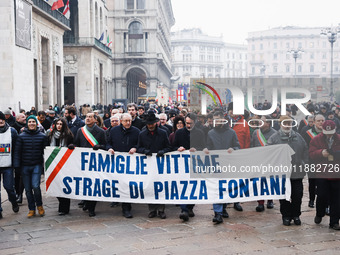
(150, 128)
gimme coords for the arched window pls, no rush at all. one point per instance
(135, 37)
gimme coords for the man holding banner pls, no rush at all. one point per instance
(189, 138)
(258, 139)
(221, 137)
(124, 138)
(291, 210)
(90, 136)
(153, 140)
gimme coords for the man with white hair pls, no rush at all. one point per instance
(163, 119)
(107, 122)
(123, 138)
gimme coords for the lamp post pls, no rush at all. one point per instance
(332, 34)
(295, 53)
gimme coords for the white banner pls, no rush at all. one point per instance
(86, 174)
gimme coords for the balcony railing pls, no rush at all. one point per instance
(41, 4)
(87, 41)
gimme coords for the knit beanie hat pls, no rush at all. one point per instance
(32, 117)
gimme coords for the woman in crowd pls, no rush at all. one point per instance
(178, 124)
(61, 136)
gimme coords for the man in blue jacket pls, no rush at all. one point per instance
(29, 156)
(124, 138)
(73, 121)
(8, 137)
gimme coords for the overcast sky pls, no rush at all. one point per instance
(234, 19)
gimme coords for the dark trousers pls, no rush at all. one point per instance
(91, 205)
(19, 185)
(312, 188)
(290, 209)
(186, 208)
(328, 193)
(156, 207)
(64, 204)
(126, 207)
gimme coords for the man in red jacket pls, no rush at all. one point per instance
(324, 150)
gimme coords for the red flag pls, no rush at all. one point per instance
(66, 11)
(57, 4)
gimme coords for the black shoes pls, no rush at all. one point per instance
(184, 216)
(260, 208)
(317, 219)
(311, 204)
(191, 213)
(114, 204)
(81, 204)
(286, 221)
(238, 207)
(270, 204)
(225, 214)
(335, 227)
(127, 214)
(15, 207)
(161, 215)
(218, 218)
(297, 221)
(92, 214)
(152, 214)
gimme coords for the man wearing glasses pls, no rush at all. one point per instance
(124, 138)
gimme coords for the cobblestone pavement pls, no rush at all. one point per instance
(246, 232)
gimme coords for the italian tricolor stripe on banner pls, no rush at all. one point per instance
(262, 139)
(55, 161)
(5, 150)
(89, 137)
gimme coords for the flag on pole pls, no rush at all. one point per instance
(179, 94)
(170, 100)
(57, 4)
(66, 11)
(101, 37)
(109, 42)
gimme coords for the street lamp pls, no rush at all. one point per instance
(332, 34)
(295, 54)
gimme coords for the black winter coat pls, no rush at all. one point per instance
(138, 123)
(78, 123)
(189, 139)
(153, 142)
(29, 149)
(97, 132)
(121, 139)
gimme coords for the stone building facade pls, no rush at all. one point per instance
(87, 57)
(141, 48)
(31, 49)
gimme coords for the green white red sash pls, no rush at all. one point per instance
(311, 133)
(261, 138)
(305, 121)
(88, 136)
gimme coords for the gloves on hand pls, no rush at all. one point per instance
(71, 146)
(96, 147)
(160, 153)
(147, 152)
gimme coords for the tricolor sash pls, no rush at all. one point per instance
(88, 136)
(305, 121)
(262, 139)
(311, 133)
